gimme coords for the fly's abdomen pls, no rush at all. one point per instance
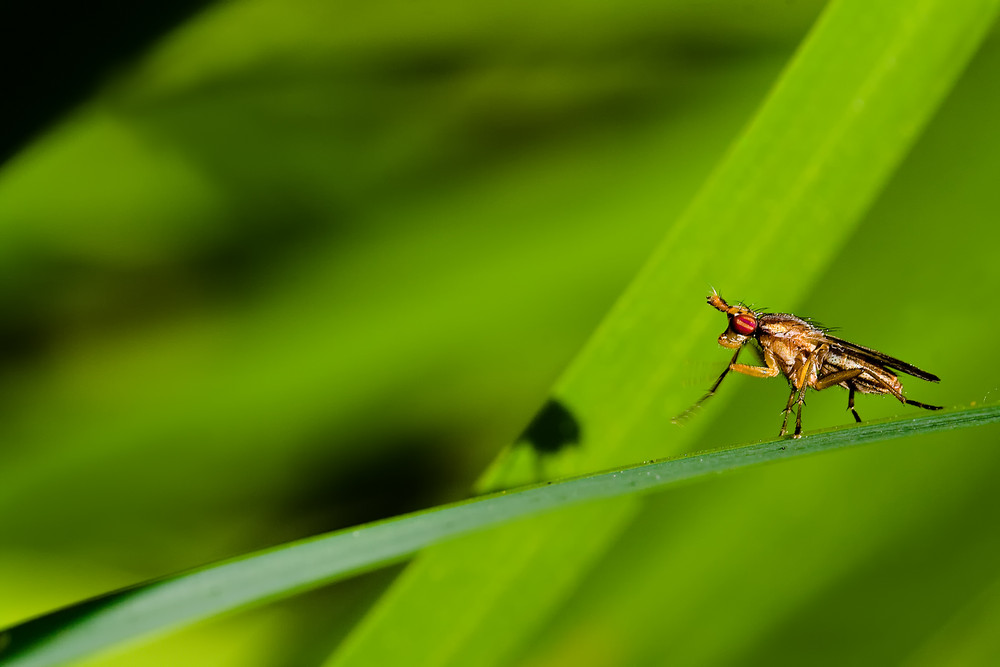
(873, 379)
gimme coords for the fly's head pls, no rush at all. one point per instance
(743, 322)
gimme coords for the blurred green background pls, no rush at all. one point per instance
(295, 266)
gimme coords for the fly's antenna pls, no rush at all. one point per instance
(717, 302)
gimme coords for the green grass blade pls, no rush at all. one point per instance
(110, 621)
(764, 227)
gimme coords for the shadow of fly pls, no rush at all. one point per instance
(810, 358)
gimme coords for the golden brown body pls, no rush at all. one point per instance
(793, 341)
(810, 358)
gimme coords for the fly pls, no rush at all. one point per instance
(810, 358)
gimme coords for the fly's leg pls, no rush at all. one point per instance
(841, 377)
(798, 413)
(922, 405)
(787, 411)
(838, 377)
(732, 362)
(800, 395)
(769, 371)
(800, 382)
(850, 403)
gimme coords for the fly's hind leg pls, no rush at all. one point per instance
(850, 402)
(838, 377)
(922, 405)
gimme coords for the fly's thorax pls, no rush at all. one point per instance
(792, 341)
(790, 331)
(783, 324)
(783, 350)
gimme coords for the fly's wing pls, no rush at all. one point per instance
(879, 359)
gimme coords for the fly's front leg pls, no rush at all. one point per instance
(769, 371)
(732, 362)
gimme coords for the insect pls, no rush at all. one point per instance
(810, 358)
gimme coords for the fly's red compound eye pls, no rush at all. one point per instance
(745, 324)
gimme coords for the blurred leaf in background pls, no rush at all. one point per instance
(294, 266)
